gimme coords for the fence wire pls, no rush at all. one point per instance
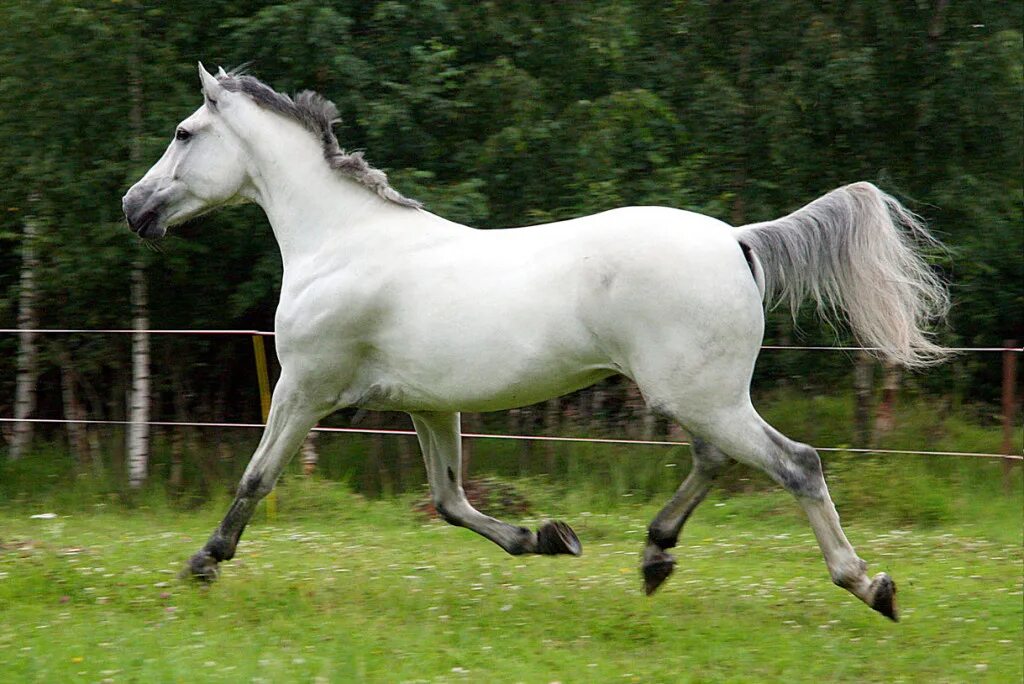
(472, 435)
(485, 435)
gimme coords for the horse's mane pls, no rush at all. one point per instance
(317, 114)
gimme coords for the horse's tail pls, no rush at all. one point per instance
(856, 251)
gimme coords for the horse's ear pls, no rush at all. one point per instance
(212, 88)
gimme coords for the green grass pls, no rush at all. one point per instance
(342, 589)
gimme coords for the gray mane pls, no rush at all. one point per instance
(318, 115)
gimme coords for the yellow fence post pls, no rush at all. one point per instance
(1009, 408)
(264, 379)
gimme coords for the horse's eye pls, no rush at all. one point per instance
(182, 135)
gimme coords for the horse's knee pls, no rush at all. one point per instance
(254, 487)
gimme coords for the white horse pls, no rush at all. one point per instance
(386, 306)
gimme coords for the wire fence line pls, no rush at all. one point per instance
(270, 333)
(470, 435)
(485, 435)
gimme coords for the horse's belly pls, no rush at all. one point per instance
(470, 386)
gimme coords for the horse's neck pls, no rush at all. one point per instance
(309, 204)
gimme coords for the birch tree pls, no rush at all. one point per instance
(28, 352)
(138, 409)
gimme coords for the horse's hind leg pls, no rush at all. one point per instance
(802, 476)
(657, 564)
(440, 440)
(797, 467)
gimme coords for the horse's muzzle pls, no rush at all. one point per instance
(143, 220)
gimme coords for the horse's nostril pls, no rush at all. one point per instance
(140, 222)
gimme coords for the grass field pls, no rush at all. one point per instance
(349, 590)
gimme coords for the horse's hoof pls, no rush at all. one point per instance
(656, 570)
(555, 537)
(883, 596)
(201, 567)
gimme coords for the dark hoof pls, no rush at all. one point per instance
(883, 596)
(556, 537)
(656, 570)
(200, 567)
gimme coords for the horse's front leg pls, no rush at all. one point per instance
(440, 438)
(292, 415)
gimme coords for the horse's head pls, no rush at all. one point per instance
(204, 167)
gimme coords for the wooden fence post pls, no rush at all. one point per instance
(885, 415)
(863, 377)
(1009, 405)
(264, 379)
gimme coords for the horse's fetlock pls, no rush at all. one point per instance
(661, 538)
(851, 575)
(843, 581)
(220, 549)
(526, 543)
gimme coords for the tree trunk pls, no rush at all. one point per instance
(517, 425)
(470, 422)
(28, 352)
(676, 433)
(595, 418)
(95, 450)
(78, 437)
(176, 478)
(937, 24)
(552, 415)
(526, 425)
(138, 428)
(375, 478)
(182, 438)
(309, 454)
(405, 463)
(641, 417)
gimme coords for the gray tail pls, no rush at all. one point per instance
(857, 253)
